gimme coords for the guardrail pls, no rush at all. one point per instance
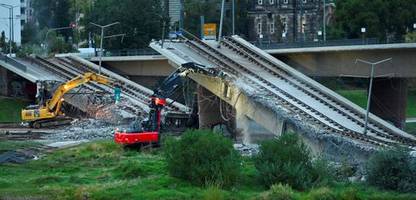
(343, 42)
(12, 62)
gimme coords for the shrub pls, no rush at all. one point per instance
(278, 192)
(203, 157)
(288, 160)
(323, 193)
(392, 169)
(213, 193)
(349, 193)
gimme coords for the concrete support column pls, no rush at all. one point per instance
(249, 131)
(3, 82)
(389, 99)
(208, 108)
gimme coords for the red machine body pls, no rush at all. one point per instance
(145, 137)
(149, 130)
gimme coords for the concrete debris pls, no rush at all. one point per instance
(66, 144)
(111, 113)
(85, 129)
(247, 149)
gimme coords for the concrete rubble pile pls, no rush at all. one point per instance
(84, 129)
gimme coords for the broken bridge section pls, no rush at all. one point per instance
(275, 96)
(135, 97)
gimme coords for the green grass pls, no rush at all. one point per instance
(359, 97)
(10, 109)
(411, 128)
(104, 170)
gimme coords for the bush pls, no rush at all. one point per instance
(288, 160)
(213, 193)
(203, 157)
(278, 192)
(393, 170)
(322, 194)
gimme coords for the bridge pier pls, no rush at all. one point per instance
(208, 109)
(389, 99)
(3, 82)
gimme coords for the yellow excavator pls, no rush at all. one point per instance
(48, 113)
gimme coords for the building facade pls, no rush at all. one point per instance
(13, 33)
(285, 20)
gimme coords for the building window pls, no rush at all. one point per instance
(271, 26)
(271, 2)
(259, 28)
(260, 2)
(285, 1)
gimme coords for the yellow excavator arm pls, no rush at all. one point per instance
(51, 109)
(56, 99)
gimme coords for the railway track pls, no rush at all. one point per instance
(317, 107)
(129, 88)
(67, 74)
(333, 104)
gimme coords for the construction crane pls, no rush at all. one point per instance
(148, 132)
(48, 112)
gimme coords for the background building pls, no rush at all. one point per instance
(286, 20)
(18, 19)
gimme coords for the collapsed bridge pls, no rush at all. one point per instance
(267, 91)
(134, 97)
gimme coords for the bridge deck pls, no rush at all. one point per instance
(274, 81)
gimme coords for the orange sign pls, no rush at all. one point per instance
(210, 31)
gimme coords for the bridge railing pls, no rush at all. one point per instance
(12, 62)
(130, 52)
(328, 43)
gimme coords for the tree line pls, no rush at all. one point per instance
(143, 20)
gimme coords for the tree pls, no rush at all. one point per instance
(211, 10)
(140, 20)
(3, 41)
(53, 14)
(383, 19)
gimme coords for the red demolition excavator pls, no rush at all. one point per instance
(148, 131)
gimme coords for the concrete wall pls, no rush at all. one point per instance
(142, 67)
(342, 63)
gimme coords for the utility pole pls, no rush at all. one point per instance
(233, 17)
(10, 7)
(221, 22)
(101, 41)
(370, 87)
(324, 21)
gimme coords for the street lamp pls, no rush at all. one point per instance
(11, 26)
(71, 26)
(324, 21)
(414, 26)
(101, 40)
(370, 87)
(363, 30)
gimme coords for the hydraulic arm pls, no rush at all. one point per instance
(47, 111)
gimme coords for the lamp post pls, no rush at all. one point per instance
(370, 87)
(101, 40)
(55, 29)
(11, 26)
(324, 20)
(363, 30)
(221, 22)
(414, 26)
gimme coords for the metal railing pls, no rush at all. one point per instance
(328, 43)
(13, 62)
(130, 52)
